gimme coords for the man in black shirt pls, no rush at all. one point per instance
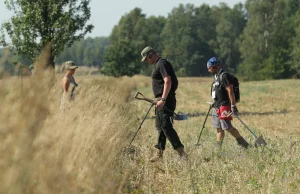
(164, 85)
(224, 103)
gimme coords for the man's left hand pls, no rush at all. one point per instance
(234, 110)
(160, 104)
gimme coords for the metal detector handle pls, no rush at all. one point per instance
(151, 101)
(144, 98)
(137, 94)
(203, 126)
(141, 124)
(246, 126)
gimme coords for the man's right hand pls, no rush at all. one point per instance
(160, 104)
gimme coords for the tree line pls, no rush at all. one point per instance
(256, 40)
(42, 29)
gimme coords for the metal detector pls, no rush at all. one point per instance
(140, 125)
(140, 96)
(259, 140)
(180, 116)
(203, 126)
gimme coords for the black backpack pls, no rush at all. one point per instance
(236, 86)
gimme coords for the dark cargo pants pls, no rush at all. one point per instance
(164, 125)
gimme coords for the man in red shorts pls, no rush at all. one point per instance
(224, 103)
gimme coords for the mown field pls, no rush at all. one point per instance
(83, 150)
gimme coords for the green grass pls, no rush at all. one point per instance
(269, 108)
(45, 150)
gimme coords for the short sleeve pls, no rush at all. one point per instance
(164, 68)
(226, 79)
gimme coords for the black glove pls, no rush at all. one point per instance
(213, 104)
(234, 110)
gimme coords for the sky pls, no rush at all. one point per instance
(105, 14)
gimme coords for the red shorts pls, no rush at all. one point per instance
(223, 113)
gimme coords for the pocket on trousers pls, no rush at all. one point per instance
(165, 119)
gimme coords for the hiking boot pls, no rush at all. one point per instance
(158, 156)
(181, 153)
(242, 142)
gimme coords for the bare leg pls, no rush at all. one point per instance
(235, 133)
(220, 135)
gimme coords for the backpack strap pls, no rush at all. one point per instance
(221, 77)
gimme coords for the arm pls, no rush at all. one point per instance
(65, 85)
(76, 84)
(167, 88)
(230, 92)
(231, 95)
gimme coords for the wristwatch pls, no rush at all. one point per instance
(163, 99)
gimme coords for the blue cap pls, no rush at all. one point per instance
(213, 61)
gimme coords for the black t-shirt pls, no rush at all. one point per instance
(219, 86)
(162, 69)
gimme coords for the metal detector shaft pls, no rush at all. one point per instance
(141, 124)
(247, 127)
(204, 124)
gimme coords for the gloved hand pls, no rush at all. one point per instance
(213, 104)
(234, 110)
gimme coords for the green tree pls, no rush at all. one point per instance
(263, 44)
(6, 67)
(130, 31)
(295, 46)
(119, 60)
(37, 24)
(151, 34)
(86, 52)
(205, 23)
(130, 27)
(89, 52)
(230, 24)
(100, 46)
(183, 40)
(293, 7)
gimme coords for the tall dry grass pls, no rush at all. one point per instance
(46, 150)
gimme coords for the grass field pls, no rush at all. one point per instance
(45, 150)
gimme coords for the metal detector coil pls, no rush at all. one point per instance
(259, 140)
